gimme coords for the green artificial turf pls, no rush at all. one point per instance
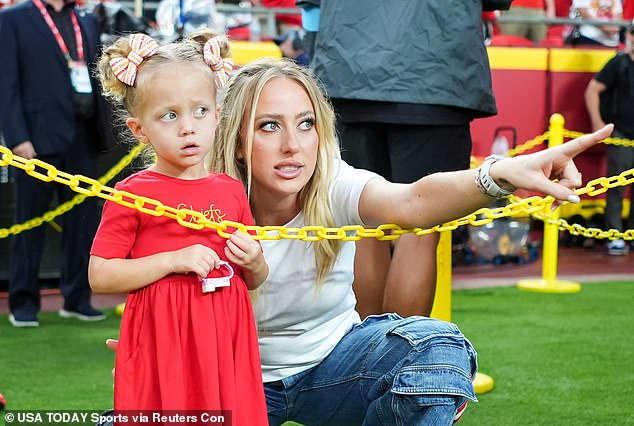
(62, 365)
(556, 359)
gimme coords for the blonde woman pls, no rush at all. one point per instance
(320, 363)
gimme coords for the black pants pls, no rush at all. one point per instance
(405, 153)
(32, 199)
(619, 159)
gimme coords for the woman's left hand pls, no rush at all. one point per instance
(535, 172)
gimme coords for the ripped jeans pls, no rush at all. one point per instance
(385, 371)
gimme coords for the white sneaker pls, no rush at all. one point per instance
(23, 322)
(88, 314)
(617, 248)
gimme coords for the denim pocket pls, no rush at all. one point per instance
(433, 384)
(418, 330)
(441, 362)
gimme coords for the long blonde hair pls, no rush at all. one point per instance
(237, 113)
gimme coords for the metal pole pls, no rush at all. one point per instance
(138, 8)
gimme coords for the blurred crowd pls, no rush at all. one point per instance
(505, 31)
(164, 18)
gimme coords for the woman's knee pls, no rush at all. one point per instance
(435, 379)
(441, 362)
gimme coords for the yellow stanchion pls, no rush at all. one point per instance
(442, 300)
(549, 282)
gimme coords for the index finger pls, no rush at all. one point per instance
(580, 144)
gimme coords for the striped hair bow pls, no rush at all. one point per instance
(221, 67)
(142, 46)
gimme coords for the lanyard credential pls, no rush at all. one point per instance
(79, 76)
(58, 36)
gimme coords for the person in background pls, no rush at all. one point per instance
(51, 110)
(406, 79)
(310, 25)
(285, 22)
(292, 46)
(628, 15)
(615, 83)
(628, 10)
(188, 339)
(604, 10)
(535, 9)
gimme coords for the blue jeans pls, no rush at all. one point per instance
(384, 371)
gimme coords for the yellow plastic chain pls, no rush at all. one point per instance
(68, 205)
(196, 220)
(593, 188)
(528, 145)
(605, 183)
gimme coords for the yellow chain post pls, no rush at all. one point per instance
(549, 282)
(442, 300)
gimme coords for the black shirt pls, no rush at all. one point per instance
(84, 102)
(65, 26)
(618, 76)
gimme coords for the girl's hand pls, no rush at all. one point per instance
(535, 172)
(246, 252)
(112, 345)
(198, 259)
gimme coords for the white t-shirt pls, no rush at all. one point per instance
(297, 325)
(603, 10)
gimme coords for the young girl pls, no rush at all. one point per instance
(184, 345)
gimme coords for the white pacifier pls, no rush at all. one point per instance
(211, 284)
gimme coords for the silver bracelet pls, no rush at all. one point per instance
(485, 182)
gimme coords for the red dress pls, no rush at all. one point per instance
(180, 348)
